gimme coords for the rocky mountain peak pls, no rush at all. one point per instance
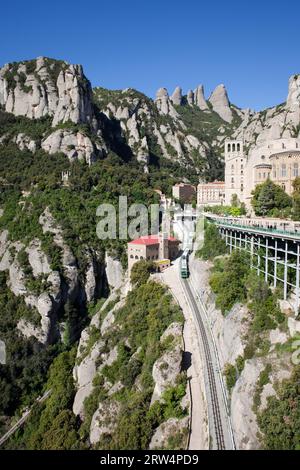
(199, 97)
(190, 97)
(220, 103)
(176, 97)
(164, 104)
(293, 99)
(44, 86)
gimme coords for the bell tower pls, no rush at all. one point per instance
(234, 170)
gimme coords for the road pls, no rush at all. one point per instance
(22, 420)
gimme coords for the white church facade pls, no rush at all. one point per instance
(278, 160)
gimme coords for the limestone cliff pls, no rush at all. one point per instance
(44, 87)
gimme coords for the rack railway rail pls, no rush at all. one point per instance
(215, 405)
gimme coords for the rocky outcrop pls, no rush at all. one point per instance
(190, 97)
(46, 87)
(170, 429)
(220, 103)
(104, 420)
(25, 142)
(143, 154)
(294, 326)
(75, 145)
(166, 369)
(176, 97)
(280, 121)
(242, 415)
(37, 259)
(114, 271)
(199, 98)
(164, 104)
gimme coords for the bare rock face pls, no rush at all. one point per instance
(164, 104)
(243, 417)
(25, 142)
(190, 97)
(104, 420)
(199, 98)
(176, 97)
(168, 366)
(75, 145)
(143, 154)
(114, 272)
(168, 429)
(220, 103)
(37, 259)
(293, 99)
(281, 121)
(46, 87)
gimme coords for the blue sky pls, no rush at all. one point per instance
(250, 46)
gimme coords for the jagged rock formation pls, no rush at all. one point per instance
(176, 97)
(199, 98)
(137, 115)
(220, 103)
(164, 104)
(171, 428)
(190, 97)
(45, 87)
(75, 145)
(168, 366)
(282, 121)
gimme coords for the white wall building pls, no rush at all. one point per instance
(278, 160)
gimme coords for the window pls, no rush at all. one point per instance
(283, 170)
(238, 147)
(259, 176)
(131, 256)
(136, 257)
(264, 176)
(232, 180)
(296, 170)
(228, 147)
(233, 147)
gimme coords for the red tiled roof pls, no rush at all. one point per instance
(150, 240)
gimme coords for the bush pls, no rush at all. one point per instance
(141, 271)
(279, 422)
(214, 245)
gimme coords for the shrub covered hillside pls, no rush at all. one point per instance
(121, 410)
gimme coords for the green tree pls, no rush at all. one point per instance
(141, 271)
(213, 245)
(269, 196)
(280, 420)
(296, 198)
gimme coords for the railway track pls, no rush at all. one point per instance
(215, 406)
